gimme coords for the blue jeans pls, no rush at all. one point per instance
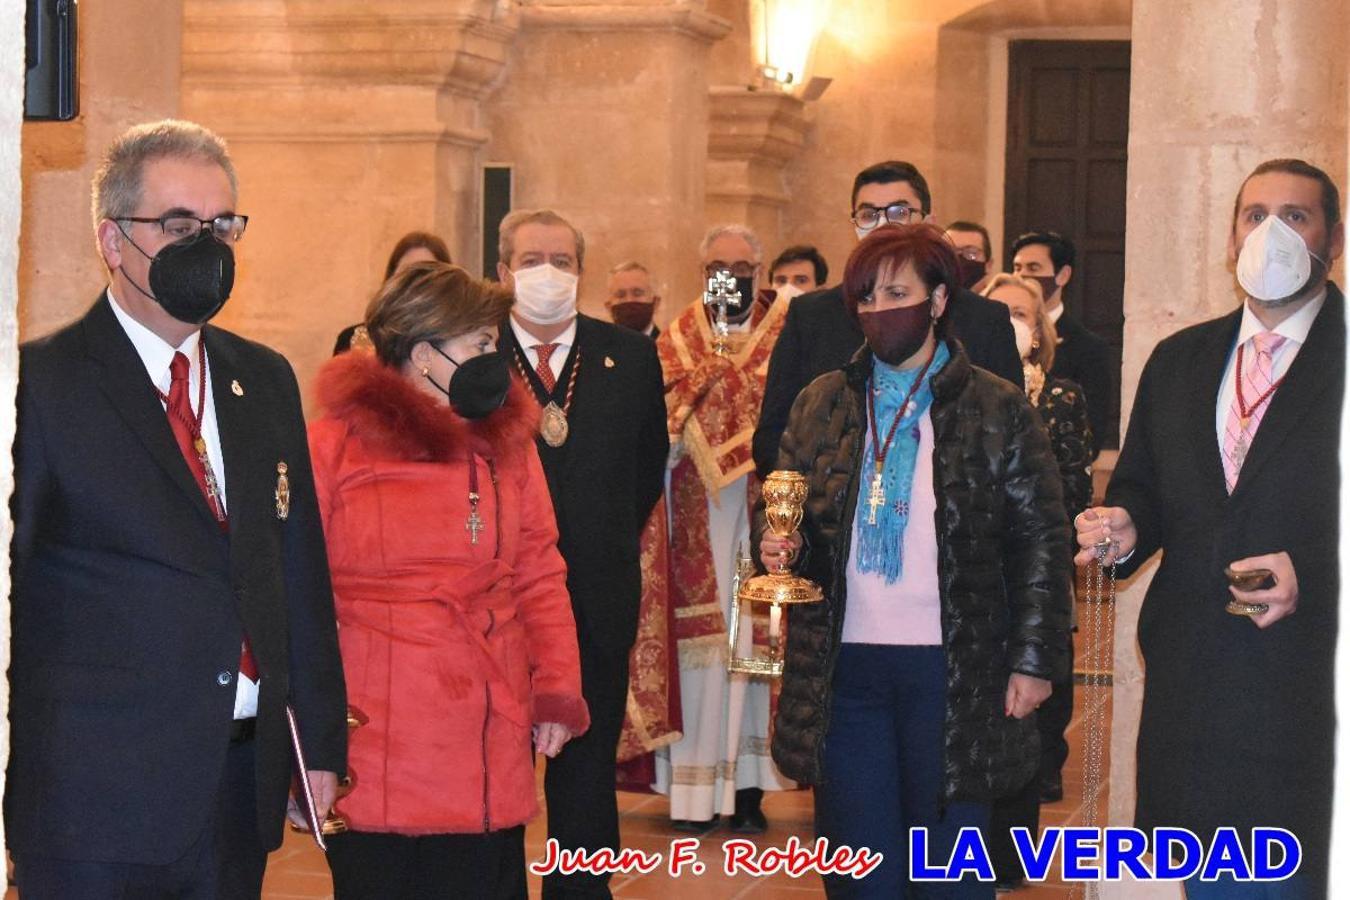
(883, 771)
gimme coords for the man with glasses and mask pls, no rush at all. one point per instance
(170, 583)
(819, 336)
(602, 441)
(1080, 356)
(1230, 467)
(974, 252)
(714, 386)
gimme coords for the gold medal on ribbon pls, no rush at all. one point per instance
(553, 425)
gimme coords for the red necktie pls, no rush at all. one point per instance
(543, 369)
(187, 431)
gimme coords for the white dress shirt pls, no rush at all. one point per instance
(156, 355)
(1295, 331)
(563, 341)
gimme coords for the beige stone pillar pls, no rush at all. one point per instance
(604, 115)
(351, 122)
(753, 136)
(1217, 86)
(11, 209)
(128, 69)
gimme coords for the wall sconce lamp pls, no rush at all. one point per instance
(785, 33)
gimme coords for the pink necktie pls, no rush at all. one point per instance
(543, 369)
(1257, 378)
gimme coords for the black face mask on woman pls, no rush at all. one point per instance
(190, 279)
(479, 385)
(894, 335)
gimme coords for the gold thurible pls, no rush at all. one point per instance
(784, 494)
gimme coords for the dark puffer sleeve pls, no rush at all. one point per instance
(1036, 563)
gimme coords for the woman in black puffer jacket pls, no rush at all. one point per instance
(935, 525)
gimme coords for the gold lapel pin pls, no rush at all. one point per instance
(237, 388)
(609, 362)
(283, 493)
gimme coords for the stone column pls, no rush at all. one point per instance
(351, 122)
(128, 71)
(753, 136)
(1217, 87)
(604, 116)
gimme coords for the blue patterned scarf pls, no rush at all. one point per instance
(881, 547)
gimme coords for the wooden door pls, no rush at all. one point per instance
(1068, 128)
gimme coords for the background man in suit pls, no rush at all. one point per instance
(1080, 356)
(631, 300)
(801, 266)
(974, 252)
(605, 463)
(171, 596)
(1231, 461)
(819, 335)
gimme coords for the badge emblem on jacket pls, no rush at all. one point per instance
(283, 493)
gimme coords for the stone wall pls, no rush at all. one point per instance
(128, 64)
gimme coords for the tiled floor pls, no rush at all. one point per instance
(298, 872)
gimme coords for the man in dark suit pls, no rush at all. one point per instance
(820, 336)
(631, 300)
(1231, 461)
(1080, 356)
(603, 444)
(170, 585)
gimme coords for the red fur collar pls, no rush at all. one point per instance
(393, 416)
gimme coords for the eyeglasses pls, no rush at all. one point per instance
(738, 269)
(870, 217)
(974, 254)
(179, 227)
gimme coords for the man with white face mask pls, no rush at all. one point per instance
(1230, 463)
(603, 446)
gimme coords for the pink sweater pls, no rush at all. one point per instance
(908, 611)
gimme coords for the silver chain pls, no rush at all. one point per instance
(1099, 658)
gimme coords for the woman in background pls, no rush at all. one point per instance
(935, 526)
(413, 247)
(1063, 413)
(456, 628)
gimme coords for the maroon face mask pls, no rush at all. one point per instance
(969, 272)
(1048, 285)
(634, 314)
(894, 335)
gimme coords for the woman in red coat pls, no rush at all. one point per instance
(457, 635)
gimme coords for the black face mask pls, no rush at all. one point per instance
(191, 279)
(739, 313)
(479, 387)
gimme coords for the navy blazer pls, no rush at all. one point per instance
(606, 478)
(1238, 722)
(129, 602)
